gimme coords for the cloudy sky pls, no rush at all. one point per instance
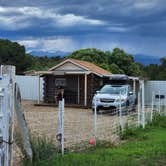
(138, 26)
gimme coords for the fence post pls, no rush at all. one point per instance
(6, 122)
(7, 82)
(12, 97)
(0, 156)
(165, 107)
(138, 107)
(38, 101)
(61, 125)
(95, 120)
(1, 124)
(143, 104)
(159, 103)
(120, 111)
(152, 107)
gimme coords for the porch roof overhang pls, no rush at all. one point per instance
(41, 73)
(77, 72)
(111, 76)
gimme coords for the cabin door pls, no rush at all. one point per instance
(71, 90)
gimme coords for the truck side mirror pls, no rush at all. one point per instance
(130, 93)
(97, 91)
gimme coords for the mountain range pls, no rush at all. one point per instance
(49, 54)
(146, 59)
(141, 58)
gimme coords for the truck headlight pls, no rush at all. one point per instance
(96, 99)
(120, 100)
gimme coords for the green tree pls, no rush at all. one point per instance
(134, 69)
(93, 55)
(117, 61)
(115, 69)
(43, 63)
(11, 53)
(125, 62)
(162, 69)
(152, 71)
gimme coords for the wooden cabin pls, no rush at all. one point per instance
(80, 80)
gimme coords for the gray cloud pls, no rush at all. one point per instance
(108, 20)
(129, 13)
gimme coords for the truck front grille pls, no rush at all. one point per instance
(107, 100)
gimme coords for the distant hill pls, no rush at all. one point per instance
(49, 54)
(141, 58)
(146, 59)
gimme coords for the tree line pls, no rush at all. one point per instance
(116, 61)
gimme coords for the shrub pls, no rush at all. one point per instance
(42, 148)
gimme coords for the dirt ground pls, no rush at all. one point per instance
(78, 124)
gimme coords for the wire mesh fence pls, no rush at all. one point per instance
(93, 126)
(75, 129)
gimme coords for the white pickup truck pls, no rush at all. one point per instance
(111, 96)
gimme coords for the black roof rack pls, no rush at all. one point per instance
(119, 77)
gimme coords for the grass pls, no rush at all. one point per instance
(141, 147)
(42, 149)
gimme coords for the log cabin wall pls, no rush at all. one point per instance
(71, 89)
(93, 84)
(81, 78)
(90, 91)
(49, 89)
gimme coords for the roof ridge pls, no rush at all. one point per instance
(86, 65)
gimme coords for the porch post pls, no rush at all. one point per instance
(134, 85)
(78, 90)
(143, 104)
(85, 90)
(38, 102)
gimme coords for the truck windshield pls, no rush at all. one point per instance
(114, 89)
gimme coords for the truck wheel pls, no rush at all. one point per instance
(97, 111)
(127, 103)
(126, 110)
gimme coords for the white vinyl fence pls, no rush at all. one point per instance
(157, 90)
(29, 87)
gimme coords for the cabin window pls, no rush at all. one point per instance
(60, 82)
